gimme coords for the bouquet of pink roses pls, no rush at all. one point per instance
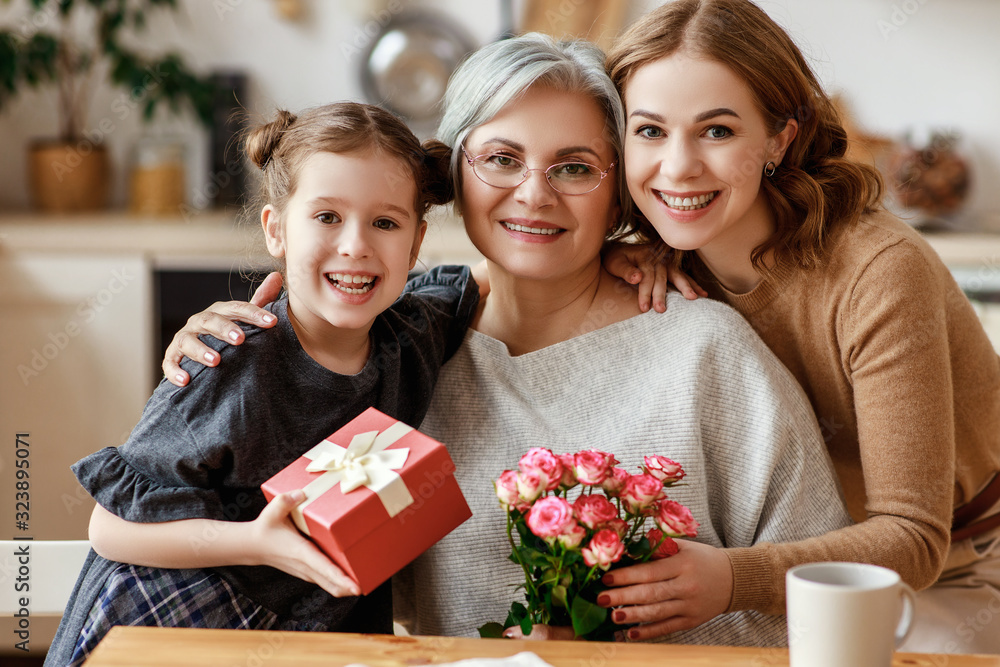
(565, 545)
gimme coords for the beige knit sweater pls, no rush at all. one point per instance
(906, 387)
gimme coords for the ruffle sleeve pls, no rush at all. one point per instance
(132, 495)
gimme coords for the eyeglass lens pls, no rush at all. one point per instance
(571, 178)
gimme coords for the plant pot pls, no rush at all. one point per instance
(66, 177)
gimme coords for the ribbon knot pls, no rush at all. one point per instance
(366, 462)
(357, 464)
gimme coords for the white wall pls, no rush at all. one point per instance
(903, 64)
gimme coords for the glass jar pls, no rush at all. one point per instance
(157, 181)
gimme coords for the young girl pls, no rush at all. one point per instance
(181, 532)
(735, 157)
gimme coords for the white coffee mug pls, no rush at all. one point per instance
(846, 614)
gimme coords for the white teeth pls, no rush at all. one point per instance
(544, 231)
(342, 281)
(349, 278)
(687, 203)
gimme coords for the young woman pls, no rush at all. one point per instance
(560, 354)
(182, 533)
(735, 157)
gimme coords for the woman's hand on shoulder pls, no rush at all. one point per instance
(677, 593)
(645, 266)
(218, 320)
(274, 540)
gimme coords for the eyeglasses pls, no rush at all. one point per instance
(504, 171)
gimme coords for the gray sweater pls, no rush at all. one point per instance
(695, 384)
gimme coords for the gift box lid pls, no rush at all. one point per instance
(346, 518)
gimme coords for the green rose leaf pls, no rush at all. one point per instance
(491, 631)
(586, 616)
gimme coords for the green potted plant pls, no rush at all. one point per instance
(68, 44)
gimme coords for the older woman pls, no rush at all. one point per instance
(560, 356)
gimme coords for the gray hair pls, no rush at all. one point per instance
(500, 72)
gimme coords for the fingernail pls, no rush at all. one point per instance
(608, 579)
(234, 335)
(618, 616)
(604, 600)
(644, 307)
(298, 495)
(633, 634)
(179, 377)
(508, 633)
(209, 356)
(635, 277)
(268, 318)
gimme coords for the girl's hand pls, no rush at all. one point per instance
(676, 593)
(275, 541)
(540, 632)
(217, 321)
(646, 266)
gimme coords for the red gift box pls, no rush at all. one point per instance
(385, 493)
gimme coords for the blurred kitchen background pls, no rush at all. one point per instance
(906, 69)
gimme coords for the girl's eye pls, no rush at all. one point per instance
(718, 132)
(649, 132)
(385, 223)
(328, 218)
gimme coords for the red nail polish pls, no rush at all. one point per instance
(619, 617)
(608, 580)
(633, 634)
(604, 600)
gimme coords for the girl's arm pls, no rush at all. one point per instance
(271, 539)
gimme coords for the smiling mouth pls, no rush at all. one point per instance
(687, 203)
(352, 284)
(541, 231)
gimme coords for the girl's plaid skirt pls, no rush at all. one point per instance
(137, 595)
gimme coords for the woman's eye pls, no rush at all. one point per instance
(385, 223)
(649, 131)
(718, 132)
(328, 218)
(501, 161)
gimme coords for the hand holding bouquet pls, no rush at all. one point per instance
(565, 546)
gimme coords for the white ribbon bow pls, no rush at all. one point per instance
(364, 462)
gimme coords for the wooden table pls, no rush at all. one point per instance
(156, 647)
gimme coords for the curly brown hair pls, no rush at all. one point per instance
(816, 189)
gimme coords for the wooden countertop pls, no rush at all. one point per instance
(163, 647)
(211, 239)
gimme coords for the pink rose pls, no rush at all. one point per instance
(507, 491)
(666, 470)
(568, 480)
(573, 537)
(640, 492)
(667, 546)
(592, 466)
(620, 526)
(551, 517)
(544, 462)
(594, 510)
(676, 520)
(604, 549)
(614, 483)
(530, 485)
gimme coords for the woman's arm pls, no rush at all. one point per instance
(646, 267)
(217, 320)
(271, 539)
